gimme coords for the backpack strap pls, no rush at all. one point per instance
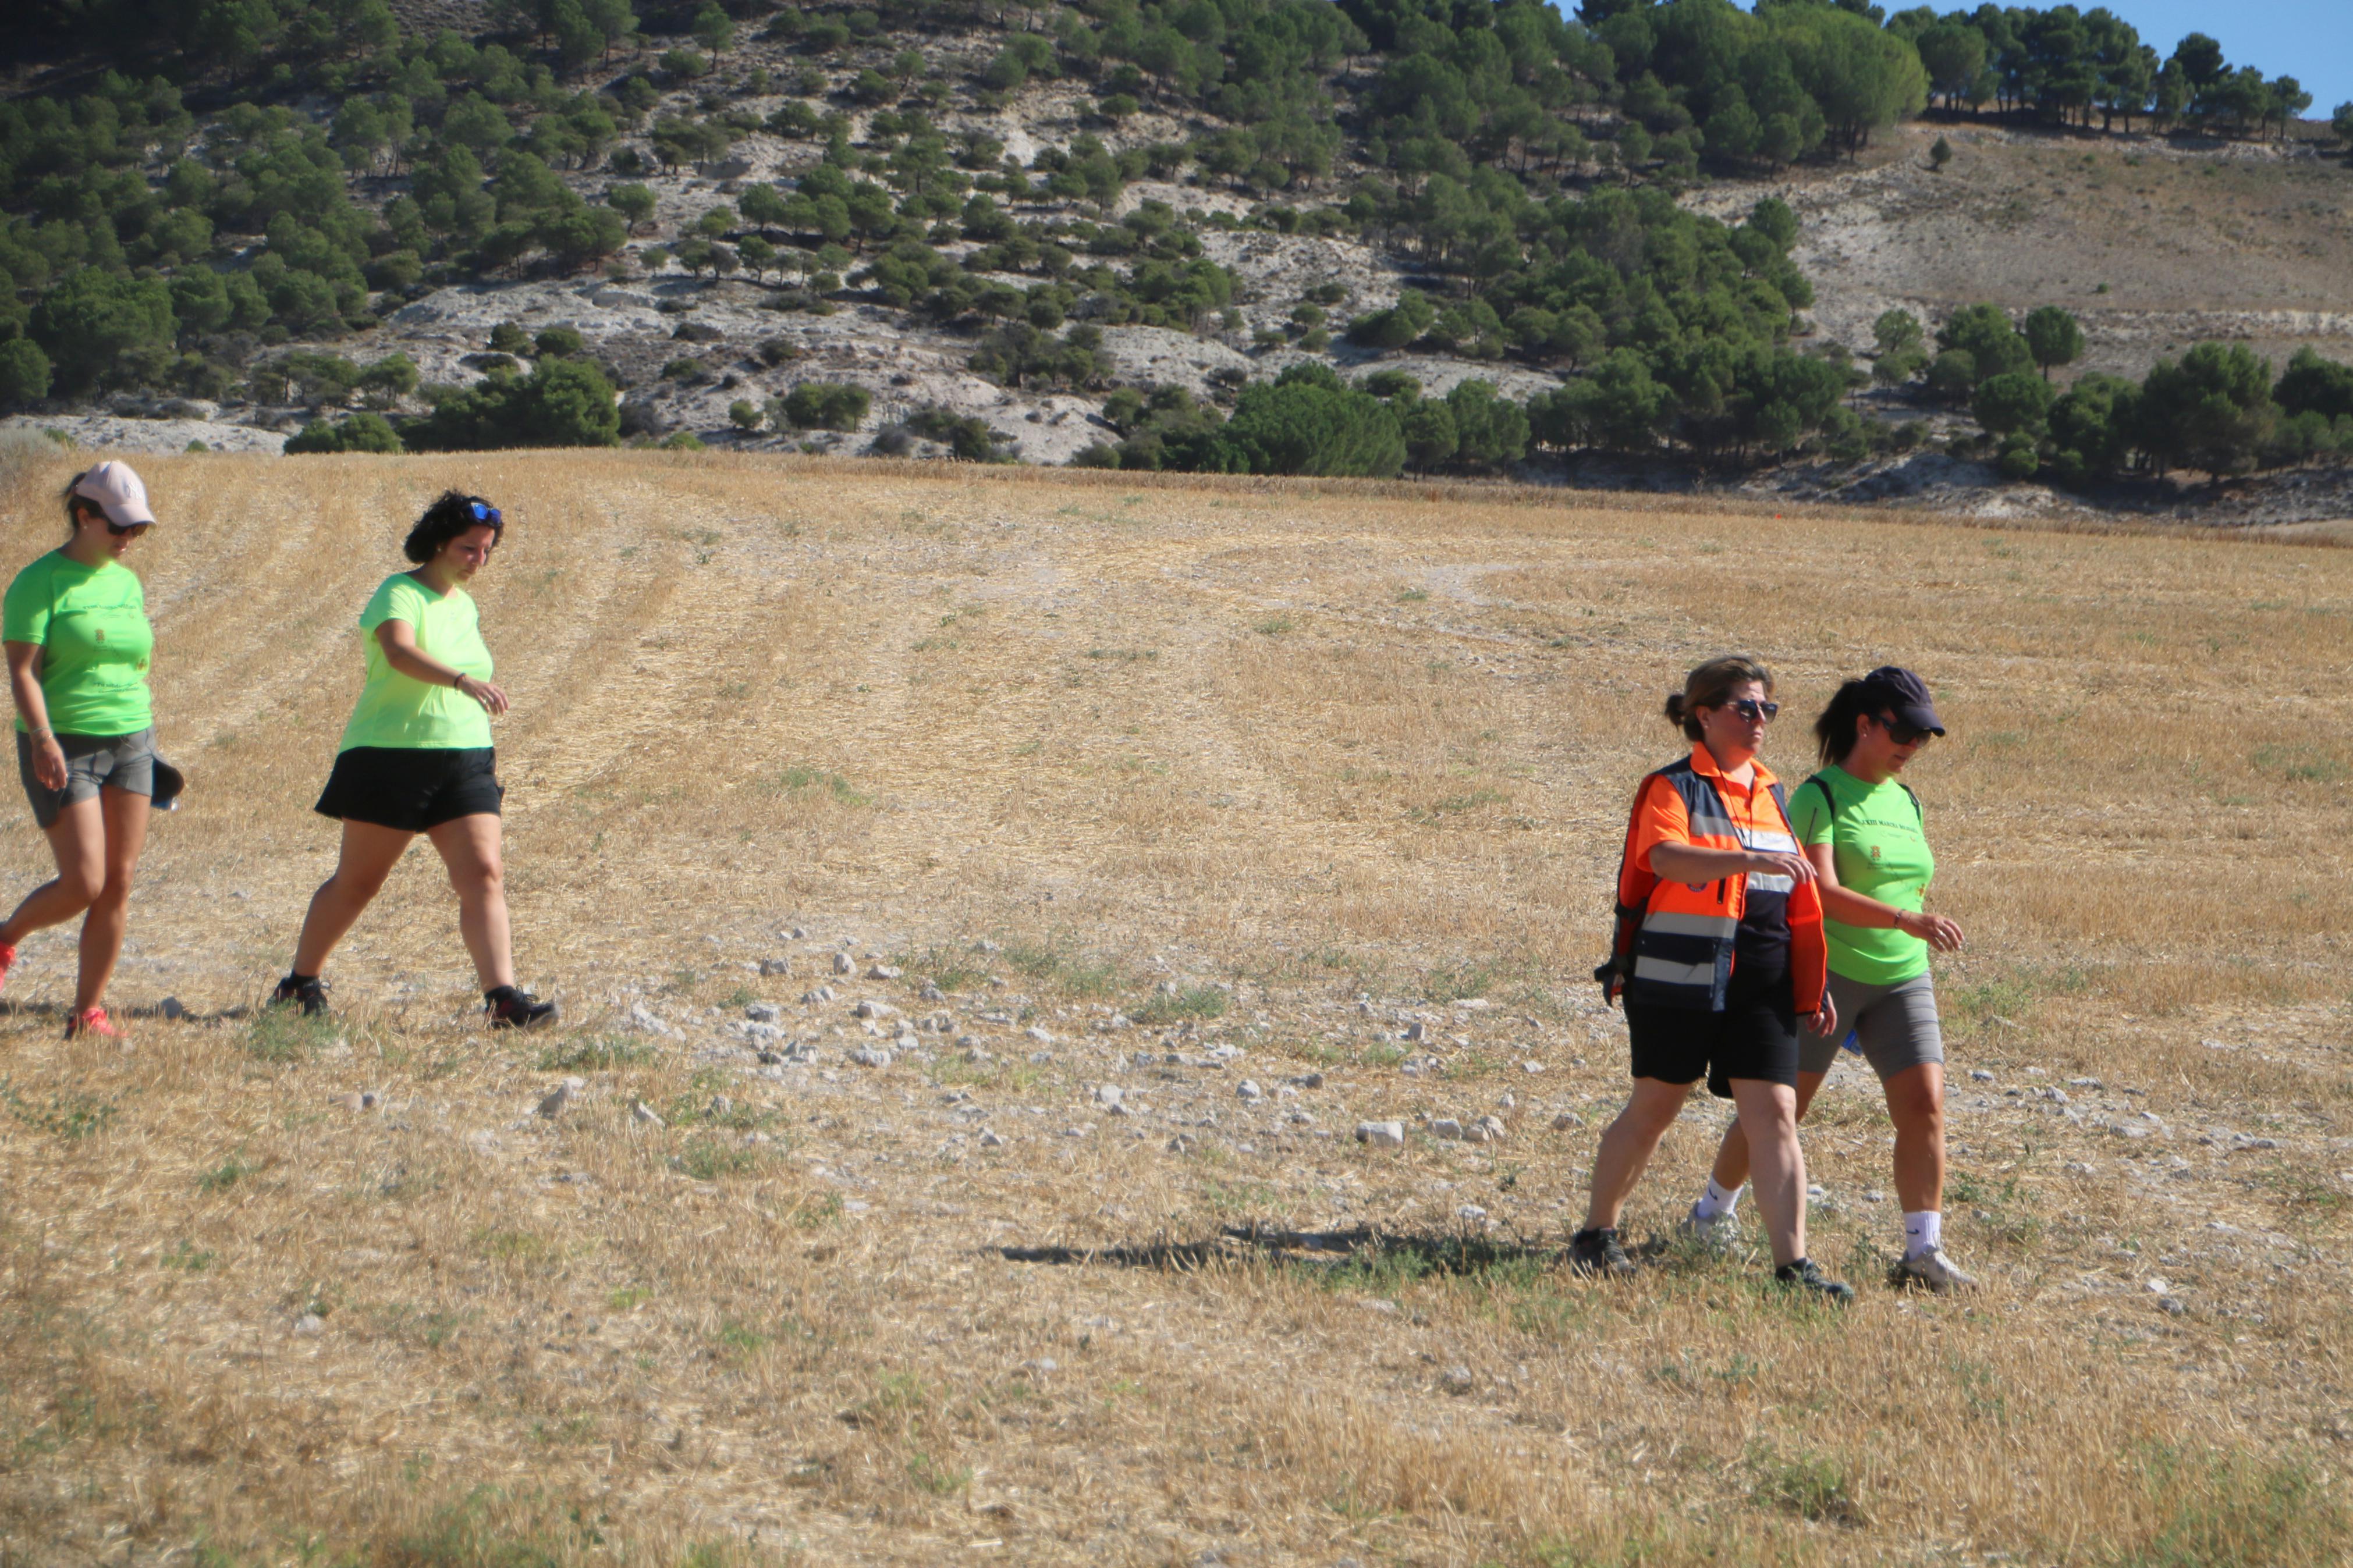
(1919, 815)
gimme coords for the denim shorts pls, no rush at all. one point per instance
(93, 762)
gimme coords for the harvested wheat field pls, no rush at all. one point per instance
(1173, 829)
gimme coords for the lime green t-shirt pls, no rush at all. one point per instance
(91, 624)
(1881, 852)
(396, 710)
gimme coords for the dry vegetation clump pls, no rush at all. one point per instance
(1176, 827)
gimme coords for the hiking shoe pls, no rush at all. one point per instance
(308, 993)
(1805, 1275)
(7, 961)
(1932, 1270)
(512, 1009)
(92, 1021)
(1599, 1252)
(1719, 1235)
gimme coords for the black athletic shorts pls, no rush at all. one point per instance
(1756, 1035)
(412, 788)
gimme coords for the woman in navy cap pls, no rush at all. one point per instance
(1864, 829)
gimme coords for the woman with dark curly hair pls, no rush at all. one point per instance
(417, 758)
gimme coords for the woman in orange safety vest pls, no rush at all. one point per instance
(1719, 953)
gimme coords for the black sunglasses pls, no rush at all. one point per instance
(1750, 709)
(1904, 734)
(127, 530)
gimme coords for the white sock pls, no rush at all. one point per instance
(1924, 1231)
(1715, 1202)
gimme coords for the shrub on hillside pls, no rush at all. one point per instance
(563, 402)
(359, 433)
(821, 405)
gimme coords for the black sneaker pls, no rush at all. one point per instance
(1805, 1275)
(512, 1009)
(1599, 1252)
(309, 994)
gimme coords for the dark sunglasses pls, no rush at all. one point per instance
(489, 514)
(1904, 734)
(1748, 708)
(127, 530)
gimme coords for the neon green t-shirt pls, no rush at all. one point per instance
(1881, 850)
(396, 710)
(91, 624)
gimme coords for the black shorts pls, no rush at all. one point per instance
(412, 788)
(1756, 1035)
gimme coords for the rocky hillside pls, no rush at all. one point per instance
(1072, 250)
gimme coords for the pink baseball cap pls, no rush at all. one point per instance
(117, 492)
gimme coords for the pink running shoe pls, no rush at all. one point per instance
(7, 961)
(92, 1021)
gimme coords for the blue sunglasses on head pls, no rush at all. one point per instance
(489, 514)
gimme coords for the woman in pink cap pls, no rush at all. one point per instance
(75, 627)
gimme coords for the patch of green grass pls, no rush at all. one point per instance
(187, 1258)
(509, 1246)
(69, 1114)
(594, 1053)
(224, 1175)
(281, 1036)
(949, 968)
(1412, 595)
(1461, 982)
(492, 1529)
(1811, 1486)
(1124, 655)
(936, 1476)
(2233, 1510)
(710, 1159)
(1165, 1007)
(1049, 964)
(627, 1298)
(1273, 626)
(1455, 805)
(741, 1338)
(1240, 1198)
(819, 1211)
(798, 780)
(2299, 764)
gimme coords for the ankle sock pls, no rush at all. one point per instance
(1924, 1231)
(1716, 1203)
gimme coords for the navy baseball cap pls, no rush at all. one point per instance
(1906, 696)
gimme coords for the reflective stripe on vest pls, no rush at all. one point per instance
(1683, 947)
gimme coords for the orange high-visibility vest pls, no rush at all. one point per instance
(1674, 940)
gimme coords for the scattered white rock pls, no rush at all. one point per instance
(310, 1325)
(844, 964)
(1981, 1075)
(1381, 1134)
(874, 1009)
(1471, 1212)
(557, 1099)
(483, 1142)
(870, 1056)
(1446, 1127)
(1109, 1094)
(990, 1139)
(775, 966)
(1038, 1036)
(642, 1019)
(1567, 1121)
(1455, 1380)
(1249, 1090)
(1486, 1129)
(1531, 1065)
(822, 994)
(644, 1115)
(763, 1013)
(884, 972)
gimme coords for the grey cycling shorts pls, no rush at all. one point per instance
(1896, 1027)
(93, 762)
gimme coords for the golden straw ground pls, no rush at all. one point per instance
(1158, 768)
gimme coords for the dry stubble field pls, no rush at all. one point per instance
(1205, 782)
